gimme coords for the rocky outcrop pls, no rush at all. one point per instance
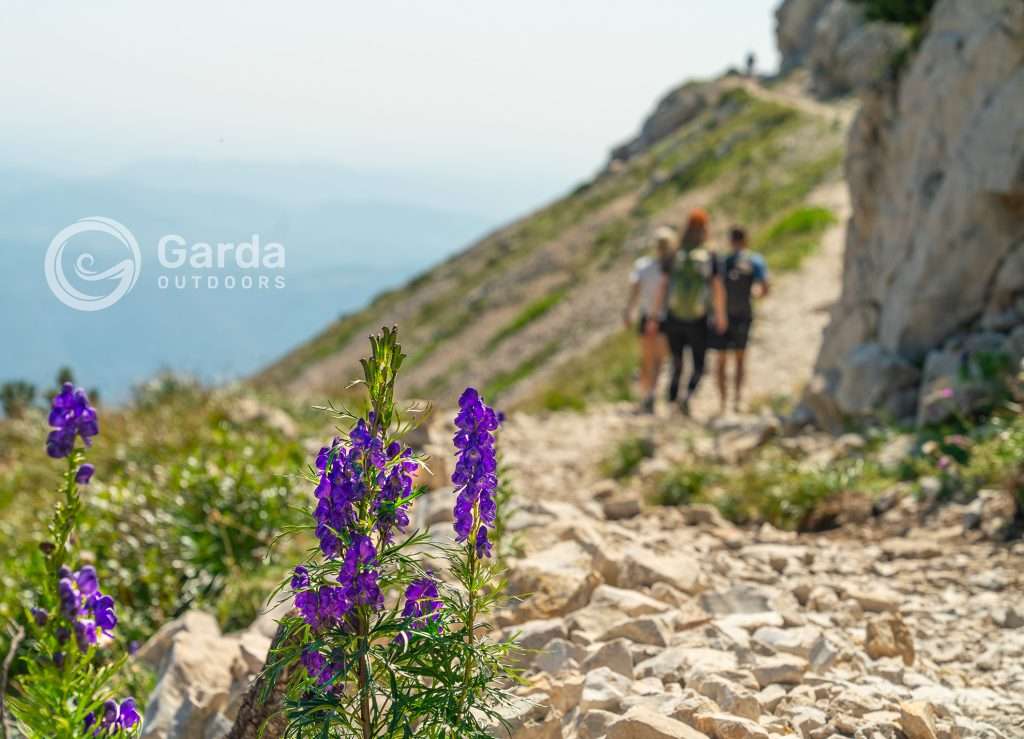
(934, 265)
(831, 38)
(674, 110)
(203, 676)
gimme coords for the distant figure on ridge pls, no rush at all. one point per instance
(751, 63)
(745, 276)
(645, 282)
(689, 281)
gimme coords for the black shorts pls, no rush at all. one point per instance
(643, 325)
(735, 337)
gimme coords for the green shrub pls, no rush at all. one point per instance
(794, 236)
(527, 315)
(554, 399)
(182, 510)
(909, 12)
(16, 397)
(683, 485)
(627, 456)
(503, 381)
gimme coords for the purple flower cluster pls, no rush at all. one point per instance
(345, 470)
(422, 604)
(475, 470)
(395, 486)
(319, 667)
(115, 717)
(88, 610)
(327, 605)
(70, 416)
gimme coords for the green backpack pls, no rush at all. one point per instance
(688, 287)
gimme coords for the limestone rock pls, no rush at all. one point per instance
(888, 636)
(730, 697)
(627, 506)
(917, 719)
(594, 724)
(640, 723)
(784, 669)
(615, 655)
(727, 726)
(528, 718)
(604, 689)
(641, 567)
(644, 630)
(195, 678)
(935, 167)
(558, 581)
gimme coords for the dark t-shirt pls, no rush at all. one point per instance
(740, 271)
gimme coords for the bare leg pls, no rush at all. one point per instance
(740, 377)
(649, 348)
(720, 374)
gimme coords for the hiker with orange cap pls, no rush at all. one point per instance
(690, 285)
(645, 282)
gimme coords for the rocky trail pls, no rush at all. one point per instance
(674, 623)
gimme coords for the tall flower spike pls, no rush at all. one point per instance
(475, 470)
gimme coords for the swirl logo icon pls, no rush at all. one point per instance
(122, 275)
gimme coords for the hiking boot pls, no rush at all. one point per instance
(647, 405)
(684, 406)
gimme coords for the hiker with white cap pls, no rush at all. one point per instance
(645, 283)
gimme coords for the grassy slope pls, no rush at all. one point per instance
(531, 311)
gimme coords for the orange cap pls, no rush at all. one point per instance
(698, 217)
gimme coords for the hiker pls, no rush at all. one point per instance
(751, 64)
(645, 282)
(745, 276)
(689, 280)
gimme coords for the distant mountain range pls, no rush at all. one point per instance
(347, 236)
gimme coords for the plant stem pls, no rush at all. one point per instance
(471, 614)
(17, 634)
(364, 679)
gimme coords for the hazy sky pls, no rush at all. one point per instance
(534, 88)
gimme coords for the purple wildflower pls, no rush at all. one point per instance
(115, 718)
(40, 616)
(341, 487)
(70, 602)
(84, 474)
(319, 667)
(395, 487)
(128, 713)
(422, 603)
(358, 575)
(85, 634)
(84, 606)
(70, 416)
(322, 607)
(475, 470)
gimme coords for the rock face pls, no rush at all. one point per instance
(934, 265)
(674, 110)
(832, 39)
(203, 675)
